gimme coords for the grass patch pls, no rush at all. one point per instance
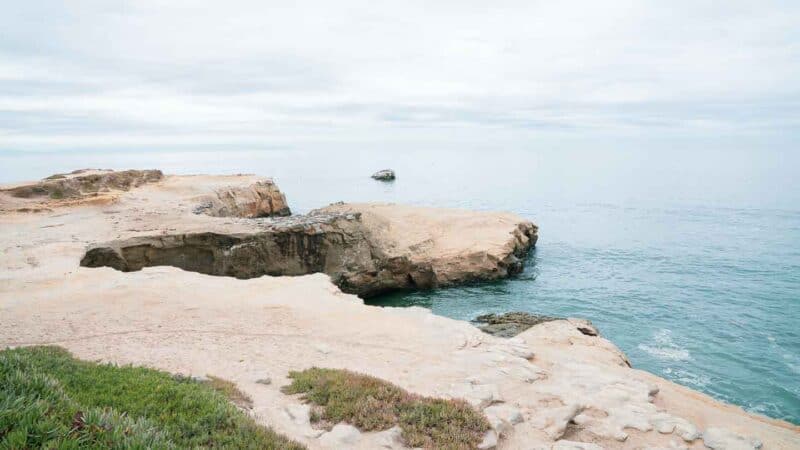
(372, 404)
(48, 399)
(230, 391)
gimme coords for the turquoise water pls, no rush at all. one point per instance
(688, 260)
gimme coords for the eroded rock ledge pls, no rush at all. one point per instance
(338, 241)
(85, 182)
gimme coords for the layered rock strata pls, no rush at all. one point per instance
(79, 186)
(339, 241)
(85, 182)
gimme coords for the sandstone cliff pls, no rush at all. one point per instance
(348, 242)
(557, 385)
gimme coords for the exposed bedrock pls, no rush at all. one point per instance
(259, 199)
(85, 182)
(337, 243)
(510, 324)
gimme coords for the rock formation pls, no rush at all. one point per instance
(384, 175)
(509, 324)
(557, 385)
(346, 242)
(85, 182)
(260, 199)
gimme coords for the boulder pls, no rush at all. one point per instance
(300, 414)
(341, 436)
(384, 175)
(489, 441)
(259, 199)
(391, 438)
(503, 417)
(573, 445)
(722, 439)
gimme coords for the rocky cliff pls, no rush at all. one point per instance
(557, 385)
(353, 250)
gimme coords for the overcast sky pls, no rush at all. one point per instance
(250, 74)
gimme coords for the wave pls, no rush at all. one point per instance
(665, 348)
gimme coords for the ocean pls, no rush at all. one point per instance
(687, 259)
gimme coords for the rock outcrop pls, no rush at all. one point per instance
(552, 386)
(84, 183)
(509, 324)
(451, 246)
(359, 257)
(384, 175)
(260, 199)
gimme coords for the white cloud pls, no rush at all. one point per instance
(151, 72)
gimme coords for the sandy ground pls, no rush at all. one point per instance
(550, 387)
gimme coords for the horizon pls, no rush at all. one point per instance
(250, 75)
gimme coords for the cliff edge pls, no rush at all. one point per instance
(554, 386)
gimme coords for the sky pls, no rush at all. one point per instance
(105, 75)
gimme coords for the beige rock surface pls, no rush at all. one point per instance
(81, 186)
(367, 249)
(457, 245)
(550, 387)
(259, 199)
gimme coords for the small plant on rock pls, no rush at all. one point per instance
(372, 404)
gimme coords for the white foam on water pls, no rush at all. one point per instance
(688, 378)
(665, 348)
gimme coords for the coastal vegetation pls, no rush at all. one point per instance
(372, 404)
(50, 399)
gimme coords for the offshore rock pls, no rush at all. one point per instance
(384, 175)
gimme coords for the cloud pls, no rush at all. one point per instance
(147, 72)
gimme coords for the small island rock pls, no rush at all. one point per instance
(384, 175)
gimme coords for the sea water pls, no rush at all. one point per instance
(689, 261)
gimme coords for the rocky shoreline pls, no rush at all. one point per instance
(142, 295)
(346, 241)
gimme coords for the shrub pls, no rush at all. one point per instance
(372, 404)
(49, 399)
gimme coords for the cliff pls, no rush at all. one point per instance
(366, 249)
(557, 385)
